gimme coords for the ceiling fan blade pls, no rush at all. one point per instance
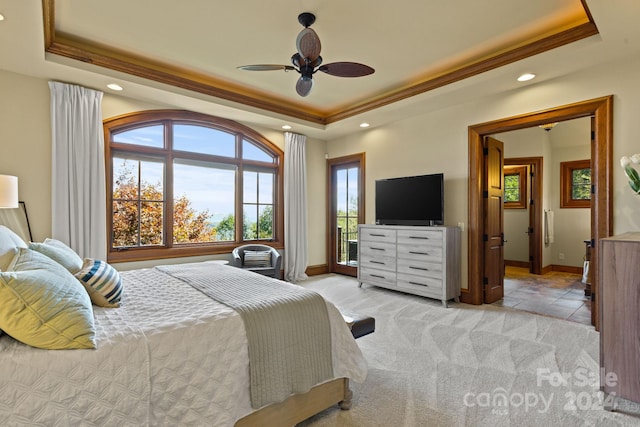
(308, 44)
(266, 67)
(346, 69)
(304, 86)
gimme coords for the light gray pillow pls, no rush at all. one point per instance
(60, 253)
(257, 258)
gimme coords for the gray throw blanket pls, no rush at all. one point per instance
(287, 327)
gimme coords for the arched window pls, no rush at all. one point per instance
(181, 184)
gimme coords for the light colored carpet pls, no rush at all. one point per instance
(466, 365)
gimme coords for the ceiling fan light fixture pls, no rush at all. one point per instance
(304, 85)
(307, 60)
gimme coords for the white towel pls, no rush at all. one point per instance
(548, 227)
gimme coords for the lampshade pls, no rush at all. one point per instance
(8, 191)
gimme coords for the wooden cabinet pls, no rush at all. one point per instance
(620, 316)
(418, 260)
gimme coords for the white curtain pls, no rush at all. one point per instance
(78, 196)
(295, 207)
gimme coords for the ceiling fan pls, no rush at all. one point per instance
(307, 60)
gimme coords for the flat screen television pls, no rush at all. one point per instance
(412, 200)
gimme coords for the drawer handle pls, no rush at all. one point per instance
(418, 253)
(377, 262)
(378, 235)
(378, 276)
(416, 283)
(419, 237)
(419, 268)
(378, 249)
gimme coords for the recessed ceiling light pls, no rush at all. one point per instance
(114, 86)
(364, 125)
(286, 127)
(526, 77)
(1, 17)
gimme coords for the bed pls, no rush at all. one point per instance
(168, 355)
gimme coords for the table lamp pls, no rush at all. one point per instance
(8, 191)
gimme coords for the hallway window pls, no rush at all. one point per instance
(515, 187)
(575, 184)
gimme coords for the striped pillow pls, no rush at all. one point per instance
(257, 258)
(102, 281)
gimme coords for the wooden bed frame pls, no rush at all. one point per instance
(299, 407)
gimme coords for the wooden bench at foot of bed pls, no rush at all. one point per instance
(299, 407)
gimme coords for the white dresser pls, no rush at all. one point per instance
(418, 260)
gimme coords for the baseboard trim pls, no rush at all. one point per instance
(561, 269)
(521, 264)
(567, 269)
(316, 270)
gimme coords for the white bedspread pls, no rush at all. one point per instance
(167, 356)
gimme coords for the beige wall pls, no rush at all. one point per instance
(433, 142)
(25, 145)
(438, 141)
(25, 151)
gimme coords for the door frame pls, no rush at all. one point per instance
(534, 204)
(601, 109)
(331, 208)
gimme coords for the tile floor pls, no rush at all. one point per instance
(554, 294)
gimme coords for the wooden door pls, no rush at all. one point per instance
(493, 194)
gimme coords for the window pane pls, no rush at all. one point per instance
(134, 223)
(151, 174)
(200, 139)
(125, 179)
(512, 188)
(204, 197)
(265, 222)
(581, 184)
(151, 215)
(265, 188)
(352, 191)
(251, 152)
(341, 191)
(149, 136)
(125, 224)
(250, 187)
(250, 218)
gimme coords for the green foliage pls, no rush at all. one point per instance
(262, 230)
(581, 184)
(226, 228)
(512, 188)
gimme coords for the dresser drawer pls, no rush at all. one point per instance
(378, 262)
(423, 285)
(373, 234)
(370, 275)
(375, 249)
(420, 268)
(420, 237)
(420, 252)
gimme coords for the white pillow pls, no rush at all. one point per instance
(59, 252)
(10, 242)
